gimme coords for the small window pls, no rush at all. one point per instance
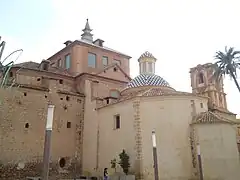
(105, 60)
(114, 93)
(38, 79)
(107, 101)
(201, 104)
(61, 98)
(60, 81)
(45, 96)
(68, 124)
(67, 61)
(118, 62)
(67, 98)
(115, 69)
(10, 74)
(25, 94)
(59, 63)
(117, 122)
(92, 60)
(26, 125)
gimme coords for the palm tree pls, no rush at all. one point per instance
(227, 64)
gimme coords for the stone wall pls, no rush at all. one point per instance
(23, 114)
(220, 157)
(34, 169)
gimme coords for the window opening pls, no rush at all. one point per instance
(105, 60)
(201, 78)
(67, 98)
(117, 121)
(114, 93)
(26, 125)
(68, 124)
(67, 61)
(91, 60)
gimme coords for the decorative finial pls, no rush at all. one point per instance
(87, 36)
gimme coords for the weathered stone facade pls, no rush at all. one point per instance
(73, 91)
(23, 118)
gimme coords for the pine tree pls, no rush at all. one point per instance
(124, 161)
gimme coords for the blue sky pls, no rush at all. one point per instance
(180, 34)
(24, 19)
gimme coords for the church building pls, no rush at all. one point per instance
(100, 110)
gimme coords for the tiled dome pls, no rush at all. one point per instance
(147, 80)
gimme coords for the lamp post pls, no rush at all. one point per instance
(199, 161)
(47, 143)
(155, 161)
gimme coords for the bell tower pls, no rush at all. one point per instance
(203, 83)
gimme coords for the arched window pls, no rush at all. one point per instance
(200, 78)
(114, 93)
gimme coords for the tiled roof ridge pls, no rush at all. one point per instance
(209, 117)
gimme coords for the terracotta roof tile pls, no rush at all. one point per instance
(210, 118)
(148, 93)
(164, 91)
(28, 64)
(36, 66)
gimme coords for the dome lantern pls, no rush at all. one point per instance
(147, 63)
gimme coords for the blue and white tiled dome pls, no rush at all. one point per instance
(147, 80)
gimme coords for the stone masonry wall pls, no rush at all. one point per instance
(23, 114)
(138, 140)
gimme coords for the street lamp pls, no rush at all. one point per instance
(155, 161)
(199, 161)
(47, 143)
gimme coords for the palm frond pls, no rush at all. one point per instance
(227, 64)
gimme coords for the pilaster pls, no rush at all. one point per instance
(138, 141)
